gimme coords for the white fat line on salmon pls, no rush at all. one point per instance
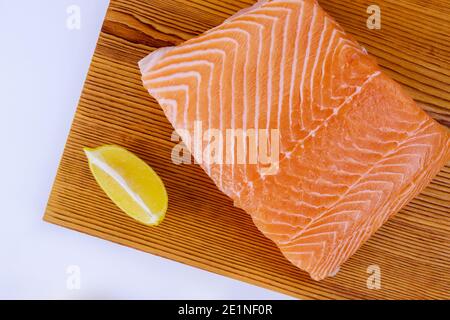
(294, 67)
(230, 146)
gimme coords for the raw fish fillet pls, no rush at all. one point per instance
(354, 147)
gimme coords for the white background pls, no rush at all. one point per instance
(42, 68)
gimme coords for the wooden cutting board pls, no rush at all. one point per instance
(202, 227)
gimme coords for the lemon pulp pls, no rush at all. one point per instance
(129, 182)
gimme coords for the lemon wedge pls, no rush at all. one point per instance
(129, 182)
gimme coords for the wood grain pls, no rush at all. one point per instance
(202, 227)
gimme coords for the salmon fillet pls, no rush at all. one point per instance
(353, 146)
